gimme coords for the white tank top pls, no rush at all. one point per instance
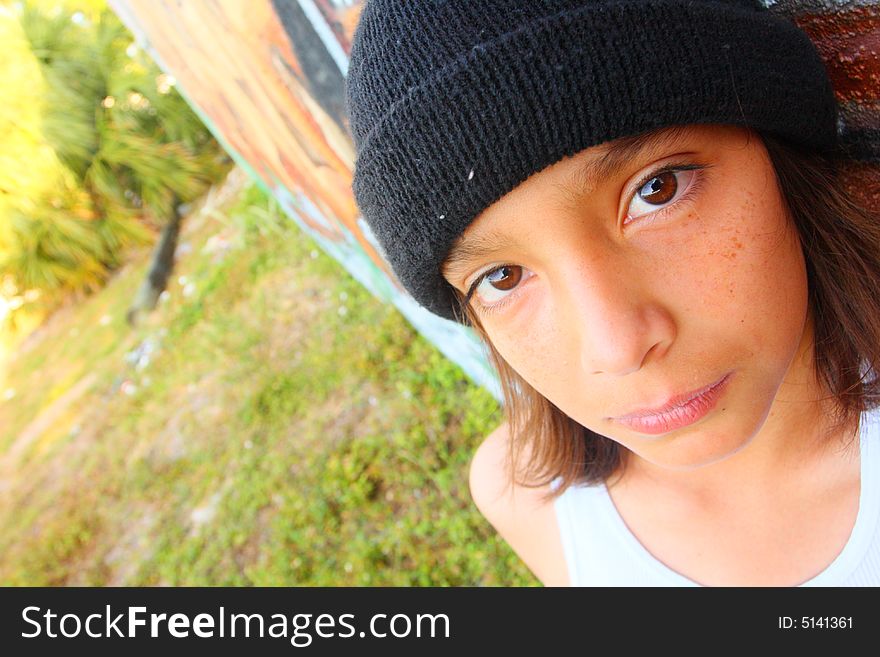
(600, 550)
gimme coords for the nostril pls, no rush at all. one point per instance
(649, 352)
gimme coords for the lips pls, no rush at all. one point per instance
(679, 411)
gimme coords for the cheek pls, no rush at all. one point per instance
(537, 354)
(755, 278)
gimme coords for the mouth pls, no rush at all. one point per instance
(679, 411)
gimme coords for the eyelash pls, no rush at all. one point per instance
(695, 187)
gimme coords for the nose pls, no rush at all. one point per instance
(617, 323)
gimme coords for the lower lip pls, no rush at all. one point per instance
(695, 410)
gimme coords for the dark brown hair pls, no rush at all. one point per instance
(841, 244)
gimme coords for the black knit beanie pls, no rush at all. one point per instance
(453, 103)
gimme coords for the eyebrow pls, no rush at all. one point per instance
(615, 156)
(618, 154)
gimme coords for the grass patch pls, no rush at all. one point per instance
(267, 439)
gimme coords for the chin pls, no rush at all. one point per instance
(686, 463)
(699, 448)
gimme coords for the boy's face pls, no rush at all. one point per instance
(633, 292)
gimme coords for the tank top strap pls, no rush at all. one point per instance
(599, 548)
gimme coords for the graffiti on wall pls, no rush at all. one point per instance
(273, 94)
(847, 36)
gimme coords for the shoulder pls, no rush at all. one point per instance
(525, 521)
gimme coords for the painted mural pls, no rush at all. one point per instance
(267, 76)
(268, 79)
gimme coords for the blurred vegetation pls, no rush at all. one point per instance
(98, 148)
(270, 424)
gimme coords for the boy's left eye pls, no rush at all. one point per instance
(660, 190)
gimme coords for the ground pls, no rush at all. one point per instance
(271, 424)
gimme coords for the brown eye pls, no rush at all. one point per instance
(660, 189)
(505, 278)
(492, 288)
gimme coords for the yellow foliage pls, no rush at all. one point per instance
(29, 168)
